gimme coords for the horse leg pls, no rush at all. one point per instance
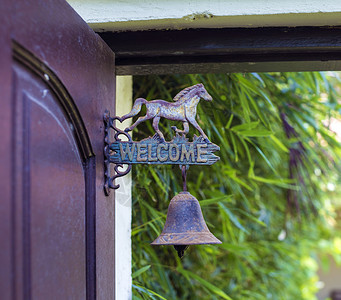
(156, 121)
(138, 121)
(184, 131)
(196, 125)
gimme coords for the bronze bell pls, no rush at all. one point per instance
(185, 224)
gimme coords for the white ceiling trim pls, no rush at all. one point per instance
(119, 15)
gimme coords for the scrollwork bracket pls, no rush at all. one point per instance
(110, 174)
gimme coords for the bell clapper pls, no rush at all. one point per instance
(181, 249)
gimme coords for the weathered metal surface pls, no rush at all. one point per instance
(118, 171)
(155, 150)
(185, 224)
(183, 109)
(178, 151)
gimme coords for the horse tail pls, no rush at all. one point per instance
(136, 108)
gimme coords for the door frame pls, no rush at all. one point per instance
(219, 50)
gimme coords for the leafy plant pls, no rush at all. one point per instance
(266, 199)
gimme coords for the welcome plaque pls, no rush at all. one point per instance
(156, 150)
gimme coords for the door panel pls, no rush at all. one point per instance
(56, 223)
(51, 194)
(5, 151)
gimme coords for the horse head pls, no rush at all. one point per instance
(202, 93)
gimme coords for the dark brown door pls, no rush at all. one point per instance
(57, 230)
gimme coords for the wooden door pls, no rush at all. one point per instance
(57, 226)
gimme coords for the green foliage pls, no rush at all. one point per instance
(265, 199)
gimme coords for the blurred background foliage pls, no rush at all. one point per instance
(271, 199)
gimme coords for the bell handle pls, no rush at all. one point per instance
(184, 169)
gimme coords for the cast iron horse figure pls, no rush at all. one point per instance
(184, 109)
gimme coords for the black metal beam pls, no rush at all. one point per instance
(226, 50)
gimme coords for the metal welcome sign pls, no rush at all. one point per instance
(184, 224)
(179, 151)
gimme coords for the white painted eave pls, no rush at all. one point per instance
(118, 15)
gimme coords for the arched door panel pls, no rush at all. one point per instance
(57, 78)
(49, 194)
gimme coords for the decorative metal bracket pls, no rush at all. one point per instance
(155, 150)
(109, 123)
(183, 208)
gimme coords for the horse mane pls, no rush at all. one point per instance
(179, 96)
